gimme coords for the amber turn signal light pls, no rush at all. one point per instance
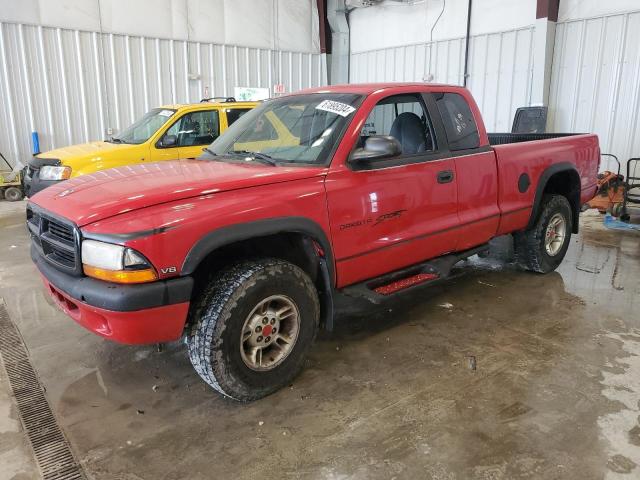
(121, 276)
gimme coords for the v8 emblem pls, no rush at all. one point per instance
(168, 270)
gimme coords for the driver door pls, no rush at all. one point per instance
(391, 213)
(187, 136)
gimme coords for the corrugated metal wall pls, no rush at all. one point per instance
(72, 86)
(500, 66)
(595, 83)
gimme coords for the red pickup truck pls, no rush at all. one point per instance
(359, 190)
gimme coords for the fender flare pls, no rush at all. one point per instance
(542, 184)
(224, 236)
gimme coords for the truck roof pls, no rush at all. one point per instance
(368, 88)
(178, 106)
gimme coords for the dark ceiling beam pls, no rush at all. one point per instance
(548, 9)
(323, 27)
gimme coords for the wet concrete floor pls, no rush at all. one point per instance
(392, 393)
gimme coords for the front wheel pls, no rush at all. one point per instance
(252, 327)
(542, 248)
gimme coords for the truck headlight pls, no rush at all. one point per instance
(115, 263)
(49, 172)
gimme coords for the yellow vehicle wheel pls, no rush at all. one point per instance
(13, 194)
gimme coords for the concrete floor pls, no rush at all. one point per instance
(390, 394)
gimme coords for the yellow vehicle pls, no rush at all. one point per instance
(169, 132)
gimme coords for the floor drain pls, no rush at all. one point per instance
(52, 451)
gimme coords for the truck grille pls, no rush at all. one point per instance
(62, 232)
(56, 240)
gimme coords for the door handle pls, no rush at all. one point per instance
(445, 176)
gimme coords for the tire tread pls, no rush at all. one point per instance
(529, 244)
(214, 307)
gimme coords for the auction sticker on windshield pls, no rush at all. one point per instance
(338, 108)
(166, 113)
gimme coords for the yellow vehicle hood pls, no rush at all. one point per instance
(79, 156)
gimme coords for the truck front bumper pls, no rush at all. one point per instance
(133, 314)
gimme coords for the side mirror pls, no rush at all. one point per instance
(377, 147)
(169, 141)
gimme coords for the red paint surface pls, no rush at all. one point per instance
(153, 325)
(195, 198)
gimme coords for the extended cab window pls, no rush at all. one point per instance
(405, 118)
(459, 124)
(234, 114)
(196, 128)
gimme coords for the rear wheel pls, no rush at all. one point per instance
(252, 327)
(13, 194)
(542, 248)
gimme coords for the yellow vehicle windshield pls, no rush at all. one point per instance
(143, 129)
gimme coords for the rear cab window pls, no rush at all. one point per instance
(459, 125)
(234, 114)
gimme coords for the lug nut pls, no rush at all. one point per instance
(259, 339)
(268, 339)
(275, 330)
(258, 329)
(265, 321)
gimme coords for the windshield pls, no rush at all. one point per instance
(141, 130)
(296, 129)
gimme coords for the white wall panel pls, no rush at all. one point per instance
(71, 86)
(595, 84)
(579, 9)
(275, 24)
(392, 23)
(500, 67)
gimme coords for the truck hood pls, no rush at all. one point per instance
(90, 198)
(77, 156)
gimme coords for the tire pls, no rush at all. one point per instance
(530, 246)
(226, 309)
(13, 194)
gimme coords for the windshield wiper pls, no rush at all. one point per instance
(113, 140)
(260, 157)
(209, 151)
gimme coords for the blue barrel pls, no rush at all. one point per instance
(35, 141)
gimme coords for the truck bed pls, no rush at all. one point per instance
(506, 138)
(520, 169)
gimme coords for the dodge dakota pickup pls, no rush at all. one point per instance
(358, 190)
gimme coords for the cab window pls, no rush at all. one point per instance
(195, 128)
(405, 118)
(234, 114)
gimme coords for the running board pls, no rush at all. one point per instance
(427, 273)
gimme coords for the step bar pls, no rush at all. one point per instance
(378, 289)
